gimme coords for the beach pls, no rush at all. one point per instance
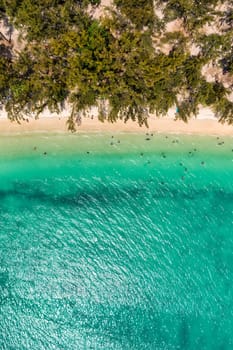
(205, 124)
(116, 236)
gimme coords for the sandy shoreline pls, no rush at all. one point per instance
(160, 125)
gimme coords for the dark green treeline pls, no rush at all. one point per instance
(70, 56)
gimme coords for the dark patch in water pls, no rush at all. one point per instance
(111, 194)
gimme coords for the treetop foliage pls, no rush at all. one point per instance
(113, 63)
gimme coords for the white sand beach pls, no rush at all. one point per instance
(205, 124)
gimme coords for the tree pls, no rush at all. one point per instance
(111, 63)
(140, 12)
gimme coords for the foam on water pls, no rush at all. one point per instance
(116, 245)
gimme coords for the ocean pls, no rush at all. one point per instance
(116, 242)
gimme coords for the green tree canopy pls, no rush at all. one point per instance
(71, 57)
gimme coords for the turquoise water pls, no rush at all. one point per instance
(116, 242)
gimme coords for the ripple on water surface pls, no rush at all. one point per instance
(116, 245)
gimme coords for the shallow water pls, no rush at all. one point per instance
(116, 242)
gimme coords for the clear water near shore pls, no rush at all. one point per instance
(122, 242)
